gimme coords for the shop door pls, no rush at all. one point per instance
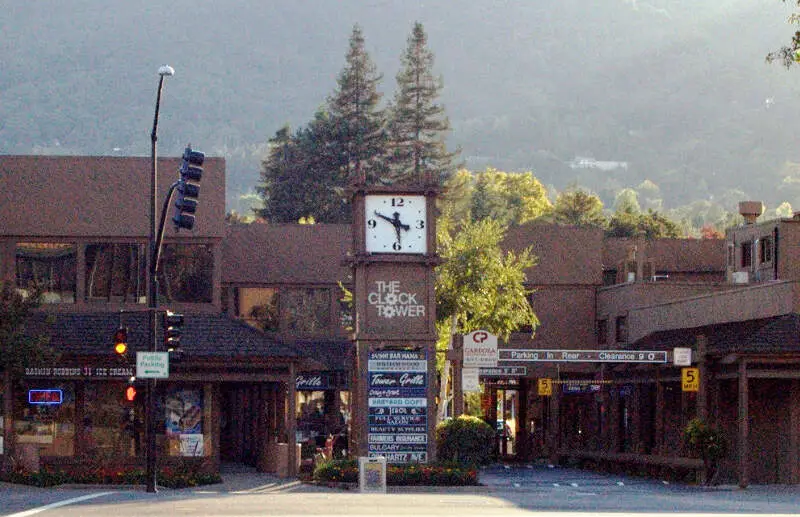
(244, 422)
(508, 420)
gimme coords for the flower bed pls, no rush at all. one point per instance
(435, 474)
(168, 477)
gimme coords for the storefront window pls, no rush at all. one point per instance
(183, 421)
(113, 427)
(49, 266)
(116, 271)
(308, 310)
(44, 417)
(186, 273)
(258, 307)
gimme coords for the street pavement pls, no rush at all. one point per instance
(507, 490)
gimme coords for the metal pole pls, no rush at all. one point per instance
(152, 304)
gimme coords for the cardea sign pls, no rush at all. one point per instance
(583, 356)
(480, 349)
(398, 406)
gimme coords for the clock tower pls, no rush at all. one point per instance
(393, 260)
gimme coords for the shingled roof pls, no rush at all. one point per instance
(204, 335)
(285, 253)
(766, 335)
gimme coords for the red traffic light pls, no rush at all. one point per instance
(121, 341)
(130, 393)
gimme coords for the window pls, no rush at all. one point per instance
(112, 428)
(609, 276)
(50, 425)
(765, 250)
(622, 329)
(602, 331)
(184, 417)
(116, 271)
(50, 266)
(346, 319)
(186, 273)
(308, 310)
(258, 307)
(747, 254)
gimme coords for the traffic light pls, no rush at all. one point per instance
(172, 330)
(188, 188)
(130, 393)
(121, 342)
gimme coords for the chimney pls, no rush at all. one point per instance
(750, 210)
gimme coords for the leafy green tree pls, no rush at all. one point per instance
(627, 200)
(17, 349)
(511, 198)
(418, 124)
(478, 286)
(787, 54)
(577, 207)
(651, 225)
(358, 124)
(456, 201)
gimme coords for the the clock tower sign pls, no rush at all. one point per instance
(393, 396)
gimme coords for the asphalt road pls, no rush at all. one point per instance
(522, 490)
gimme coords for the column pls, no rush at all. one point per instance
(744, 425)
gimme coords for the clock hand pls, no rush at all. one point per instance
(384, 217)
(397, 224)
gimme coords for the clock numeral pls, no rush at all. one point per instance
(420, 224)
(372, 223)
(398, 201)
(396, 246)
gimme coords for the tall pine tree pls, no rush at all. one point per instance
(358, 124)
(418, 124)
(302, 176)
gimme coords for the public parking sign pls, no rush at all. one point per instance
(152, 365)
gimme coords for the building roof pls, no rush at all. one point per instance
(204, 335)
(765, 335)
(99, 196)
(566, 254)
(286, 253)
(695, 255)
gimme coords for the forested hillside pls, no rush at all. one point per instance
(677, 91)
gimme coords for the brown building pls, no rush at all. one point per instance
(268, 353)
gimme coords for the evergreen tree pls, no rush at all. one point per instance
(359, 132)
(418, 124)
(302, 176)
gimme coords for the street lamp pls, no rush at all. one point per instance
(152, 288)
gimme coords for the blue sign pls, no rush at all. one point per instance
(398, 405)
(48, 397)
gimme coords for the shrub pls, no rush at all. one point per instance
(414, 474)
(708, 443)
(466, 439)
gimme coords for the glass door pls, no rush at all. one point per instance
(507, 421)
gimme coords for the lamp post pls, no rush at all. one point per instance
(152, 289)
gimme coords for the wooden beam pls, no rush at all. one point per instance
(744, 425)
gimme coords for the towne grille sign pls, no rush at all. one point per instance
(398, 406)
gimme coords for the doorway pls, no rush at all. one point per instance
(247, 419)
(507, 422)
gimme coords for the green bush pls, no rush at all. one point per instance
(341, 471)
(466, 439)
(414, 474)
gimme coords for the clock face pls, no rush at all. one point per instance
(395, 224)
